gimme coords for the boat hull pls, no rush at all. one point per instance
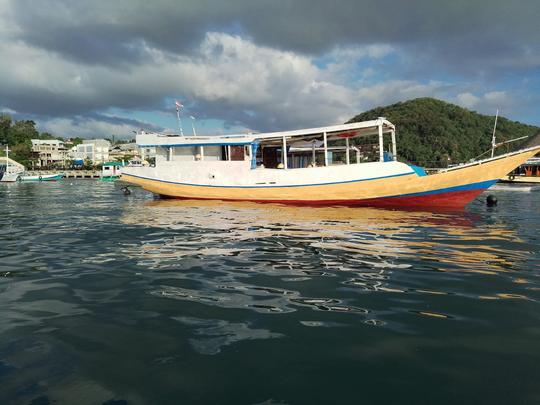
(45, 177)
(110, 178)
(521, 179)
(452, 188)
(10, 177)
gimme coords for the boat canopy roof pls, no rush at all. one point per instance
(113, 164)
(352, 130)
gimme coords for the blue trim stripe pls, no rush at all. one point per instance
(472, 186)
(418, 170)
(261, 186)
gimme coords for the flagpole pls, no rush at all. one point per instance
(179, 121)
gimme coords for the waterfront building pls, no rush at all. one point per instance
(94, 150)
(124, 151)
(48, 152)
(132, 153)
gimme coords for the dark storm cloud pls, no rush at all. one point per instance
(68, 58)
(109, 31)
(116, 120)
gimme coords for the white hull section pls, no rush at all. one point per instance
(240, 174)
(10, 177)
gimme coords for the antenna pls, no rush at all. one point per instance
(193, 124)
(493, 144)
(178, 107)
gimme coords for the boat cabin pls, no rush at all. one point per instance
(307, 148)
(111, 170)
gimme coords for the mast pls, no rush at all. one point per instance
(493, 144)
(7, 158)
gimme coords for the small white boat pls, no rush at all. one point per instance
(10, 173)
(10, 177)
(42, 177)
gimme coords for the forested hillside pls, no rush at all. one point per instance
(434, 133)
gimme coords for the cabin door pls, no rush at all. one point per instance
(270, 157)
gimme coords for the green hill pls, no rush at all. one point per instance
(434, 133)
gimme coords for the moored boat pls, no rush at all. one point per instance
(10, 173)
(111, 171)
(265, 168)
(41, 177)
(528, 172)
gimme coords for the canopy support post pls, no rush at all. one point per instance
(381, 143)
(284, 154)
(394, 148)
(170, 153)
(325, 149)
(347, 150)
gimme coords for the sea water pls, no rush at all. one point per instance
(114, 299)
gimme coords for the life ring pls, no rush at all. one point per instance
(512, 177)
(40, 178)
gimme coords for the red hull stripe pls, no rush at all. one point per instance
(448, 197)
(453, 199)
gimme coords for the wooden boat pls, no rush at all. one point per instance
(528, 172)
(42, 177)
(262, 168)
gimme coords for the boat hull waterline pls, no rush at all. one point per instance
(453, 188)
(44, 177)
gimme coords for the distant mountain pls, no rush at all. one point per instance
(434, 133)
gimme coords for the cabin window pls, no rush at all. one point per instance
(237, 153)
(212, 153)
(184, 153)
(161, 153)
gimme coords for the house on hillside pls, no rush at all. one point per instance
(94, 150)
(132, 152)
(124, 151)
(48, 152)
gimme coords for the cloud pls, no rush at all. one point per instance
(488, 102)
(467, 100)
(228, 76)
(262, 65)
(95, 127)
(106, 30)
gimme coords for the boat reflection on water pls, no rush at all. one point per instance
(366, 248)
(380, 238)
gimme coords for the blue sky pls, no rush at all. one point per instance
(102, 68)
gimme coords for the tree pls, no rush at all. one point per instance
(22, 153)
(434, 133)
(22, 132)
(5, 125)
